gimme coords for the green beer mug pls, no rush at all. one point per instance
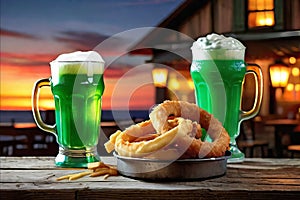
(218, 71)
(77, 86)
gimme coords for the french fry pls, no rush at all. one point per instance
(113, 167)
(74, 176)
(63, 177)
(100, 172)
(104, 171)
(95, 169)
(113, 172)
(79, 175)
(95, 165)
(105, 176)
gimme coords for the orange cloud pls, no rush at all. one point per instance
(19, 72)
(31, 60)
(9, 33)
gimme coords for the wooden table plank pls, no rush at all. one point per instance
(261, 185)
(35, 178)
(111, 190)
(19, 176)
(48, 162)
(37, 162)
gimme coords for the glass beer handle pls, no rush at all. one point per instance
(257, 73)
(35, 109)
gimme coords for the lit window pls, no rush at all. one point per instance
(260, 13)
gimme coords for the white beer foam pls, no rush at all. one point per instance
(214, 46)
(83, 56)
(79, 62)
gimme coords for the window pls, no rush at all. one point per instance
(260, 13)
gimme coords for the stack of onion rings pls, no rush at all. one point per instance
(173, 132)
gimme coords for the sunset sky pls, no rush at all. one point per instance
(33, 33)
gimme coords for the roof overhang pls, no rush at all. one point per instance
(270, 44)
(258, 45)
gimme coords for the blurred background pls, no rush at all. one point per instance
(33, 33)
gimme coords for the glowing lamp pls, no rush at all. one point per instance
(295, 71)
(265, 19)
(297, 88)
(160, 76)
(261, 13)
(279, 74)
(290, 87)
(174, 84)
(292, 60)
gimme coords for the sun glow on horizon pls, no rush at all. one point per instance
(17, 83)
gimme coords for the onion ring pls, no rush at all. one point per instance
(168, 138)
(214, 128)
(167, 146)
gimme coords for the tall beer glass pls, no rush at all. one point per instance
(218, 70)
(77, 86)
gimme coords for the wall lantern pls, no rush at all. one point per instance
(279, 74)
(160, 76)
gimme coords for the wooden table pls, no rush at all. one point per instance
(35, 178)
(281, 126)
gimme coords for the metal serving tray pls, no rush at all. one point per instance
(186, 169)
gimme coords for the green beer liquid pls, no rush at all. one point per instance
(78, 112)
(79, 100)
(218, 85)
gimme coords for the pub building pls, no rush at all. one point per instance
(270, 31)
